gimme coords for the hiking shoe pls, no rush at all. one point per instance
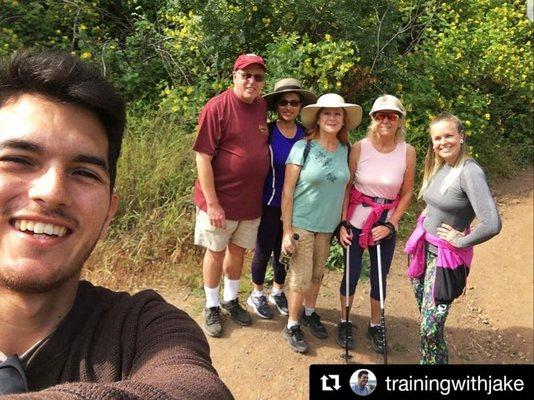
(314, 323)
(260, 306)
(238, 314)
(295, 339)
(212, 322)
(344, 335)
(376, 334)
(280, 301)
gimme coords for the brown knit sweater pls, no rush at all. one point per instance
(115, 346)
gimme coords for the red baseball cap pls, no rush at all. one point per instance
(244, 60)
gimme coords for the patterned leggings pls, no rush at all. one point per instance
(433, 346)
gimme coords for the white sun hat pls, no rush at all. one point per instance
(388, 102)
(332, 100)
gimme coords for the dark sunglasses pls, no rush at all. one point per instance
(12, 377)
(292, 103)
(380, 116)
(257, 77)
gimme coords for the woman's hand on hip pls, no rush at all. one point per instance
(448, 233)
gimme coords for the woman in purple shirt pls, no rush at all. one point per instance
(287, 100)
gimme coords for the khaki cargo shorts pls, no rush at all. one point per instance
(309, 260)
(241, 233)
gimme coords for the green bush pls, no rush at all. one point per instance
(168, 57)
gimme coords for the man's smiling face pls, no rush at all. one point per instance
(55, 198)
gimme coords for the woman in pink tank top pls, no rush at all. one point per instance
(383, 168)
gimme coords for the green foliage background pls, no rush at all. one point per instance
(469, 57)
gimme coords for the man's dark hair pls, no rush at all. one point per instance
(62, 77)
(362, 372)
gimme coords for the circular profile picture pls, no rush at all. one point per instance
(363, 382)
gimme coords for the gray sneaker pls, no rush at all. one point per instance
(314, 323)
(280, 301)
(212, 322)
(295, 339)
(260, 306)
(238, 314)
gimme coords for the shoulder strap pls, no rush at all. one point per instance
(306, 152)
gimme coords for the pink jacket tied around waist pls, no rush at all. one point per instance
(448, 255)
(356, 198)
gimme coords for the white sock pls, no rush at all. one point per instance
(309, 311)
(257, 293)
(343, 321)
(277, 292)
(373, 325)
(212, 296)
(231, 288)
(291, 324)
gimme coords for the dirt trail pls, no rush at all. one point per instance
(492, 323)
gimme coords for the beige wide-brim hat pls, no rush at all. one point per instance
(289, 85)
(332, 100)
(388, 102)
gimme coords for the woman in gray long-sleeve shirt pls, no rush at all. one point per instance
(455, 191)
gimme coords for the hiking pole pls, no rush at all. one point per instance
(382, 316)
(346, 356)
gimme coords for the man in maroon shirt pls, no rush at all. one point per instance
(232, 157)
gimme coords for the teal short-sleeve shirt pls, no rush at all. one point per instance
(320, 188)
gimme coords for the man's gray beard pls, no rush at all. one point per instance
(44, 287)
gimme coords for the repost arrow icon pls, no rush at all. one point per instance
(325, 387)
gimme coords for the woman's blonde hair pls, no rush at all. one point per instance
(400, 134)
(433, 162)
(342, 135)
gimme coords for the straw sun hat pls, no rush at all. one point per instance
(332, 100)
(289, 85)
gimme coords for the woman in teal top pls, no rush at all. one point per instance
(316, 179)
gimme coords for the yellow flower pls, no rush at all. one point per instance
(254, 8)
(328, 37)
(86, 55)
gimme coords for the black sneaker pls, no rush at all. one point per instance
(212, 321)
(344, 335)
(295, 338)
(376, 334)
(280, 301)
(260, 306)
(239, 315)
(314, 323)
